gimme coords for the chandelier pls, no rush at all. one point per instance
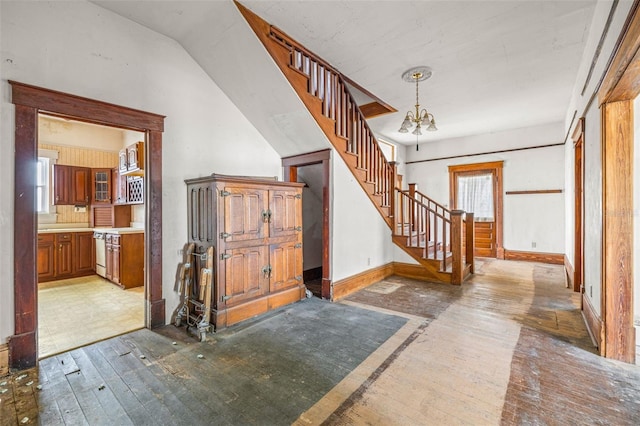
(419, 118)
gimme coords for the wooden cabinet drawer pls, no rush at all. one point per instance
(45, 238)
(115, 240)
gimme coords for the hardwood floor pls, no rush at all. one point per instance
(508, 347)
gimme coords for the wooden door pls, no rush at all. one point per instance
(245, 213)
(285, 212)
(286, 265)
(578, 253)
(80, 185)
(477, 188)
(61, 185)
(246, 273)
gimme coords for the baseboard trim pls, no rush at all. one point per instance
(568, 268)
(530, 256)
(593, 322)
(420, 272)
(346, 286)
(4, 359)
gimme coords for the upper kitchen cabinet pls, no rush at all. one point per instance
(101, 185)
(71, 185)
(131, 159)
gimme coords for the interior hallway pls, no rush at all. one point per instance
(507, 347)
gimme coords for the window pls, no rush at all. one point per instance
(44, 170)
(475, 194)
(42, 185)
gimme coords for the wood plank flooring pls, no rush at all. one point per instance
(508, 347)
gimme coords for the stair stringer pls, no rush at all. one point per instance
(282, 56)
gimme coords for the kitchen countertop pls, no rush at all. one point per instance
(120, 230)
(61, 230)
(106, 230)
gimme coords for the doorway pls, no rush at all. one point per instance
(29, 101)
(477, 188)
(578, 255)
(73, 286)
(315, 170)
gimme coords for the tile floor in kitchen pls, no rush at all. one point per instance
(79, 311)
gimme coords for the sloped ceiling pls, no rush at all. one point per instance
(497, 65)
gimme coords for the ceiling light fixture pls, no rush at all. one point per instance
(420, 117)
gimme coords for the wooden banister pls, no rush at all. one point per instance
(422, 227)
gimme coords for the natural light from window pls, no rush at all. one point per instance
(475, 194)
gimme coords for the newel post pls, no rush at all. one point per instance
(457, 266)
(470, 240)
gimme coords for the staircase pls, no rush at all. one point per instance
(431, 234)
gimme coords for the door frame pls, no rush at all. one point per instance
(495, 168)
(290, 174)
(29, 101)
(578, 255)
(616, 96)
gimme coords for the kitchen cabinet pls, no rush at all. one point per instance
(255, 226)
(131, 159)
(124, 255)
(71, 185)
(110, 216)
(101, 186)
(63, 255)
(119, 187)
(84, 253)
(46, 257)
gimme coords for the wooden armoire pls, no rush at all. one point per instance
(255, 227)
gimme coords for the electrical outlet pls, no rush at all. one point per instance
(368, 261)
(533, 244)
(180, 252)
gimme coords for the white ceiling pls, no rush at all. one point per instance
(497, 65)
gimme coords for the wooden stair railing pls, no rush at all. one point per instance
(426, 230)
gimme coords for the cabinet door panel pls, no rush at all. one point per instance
(84, 247)
(245, 274)
(286, 265)
(243, 213)
(81, 185)
(61, 185)
(101, 183)
(46, 256)
(64, 259)
(286, 213)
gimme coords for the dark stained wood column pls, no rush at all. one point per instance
(153, 230)
(23, 345)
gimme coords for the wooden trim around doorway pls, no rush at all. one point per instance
(495, 168)
(290, 173)
(29, 101)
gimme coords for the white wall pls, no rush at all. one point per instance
(361, 239)
(528, 219)
(80, 48)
